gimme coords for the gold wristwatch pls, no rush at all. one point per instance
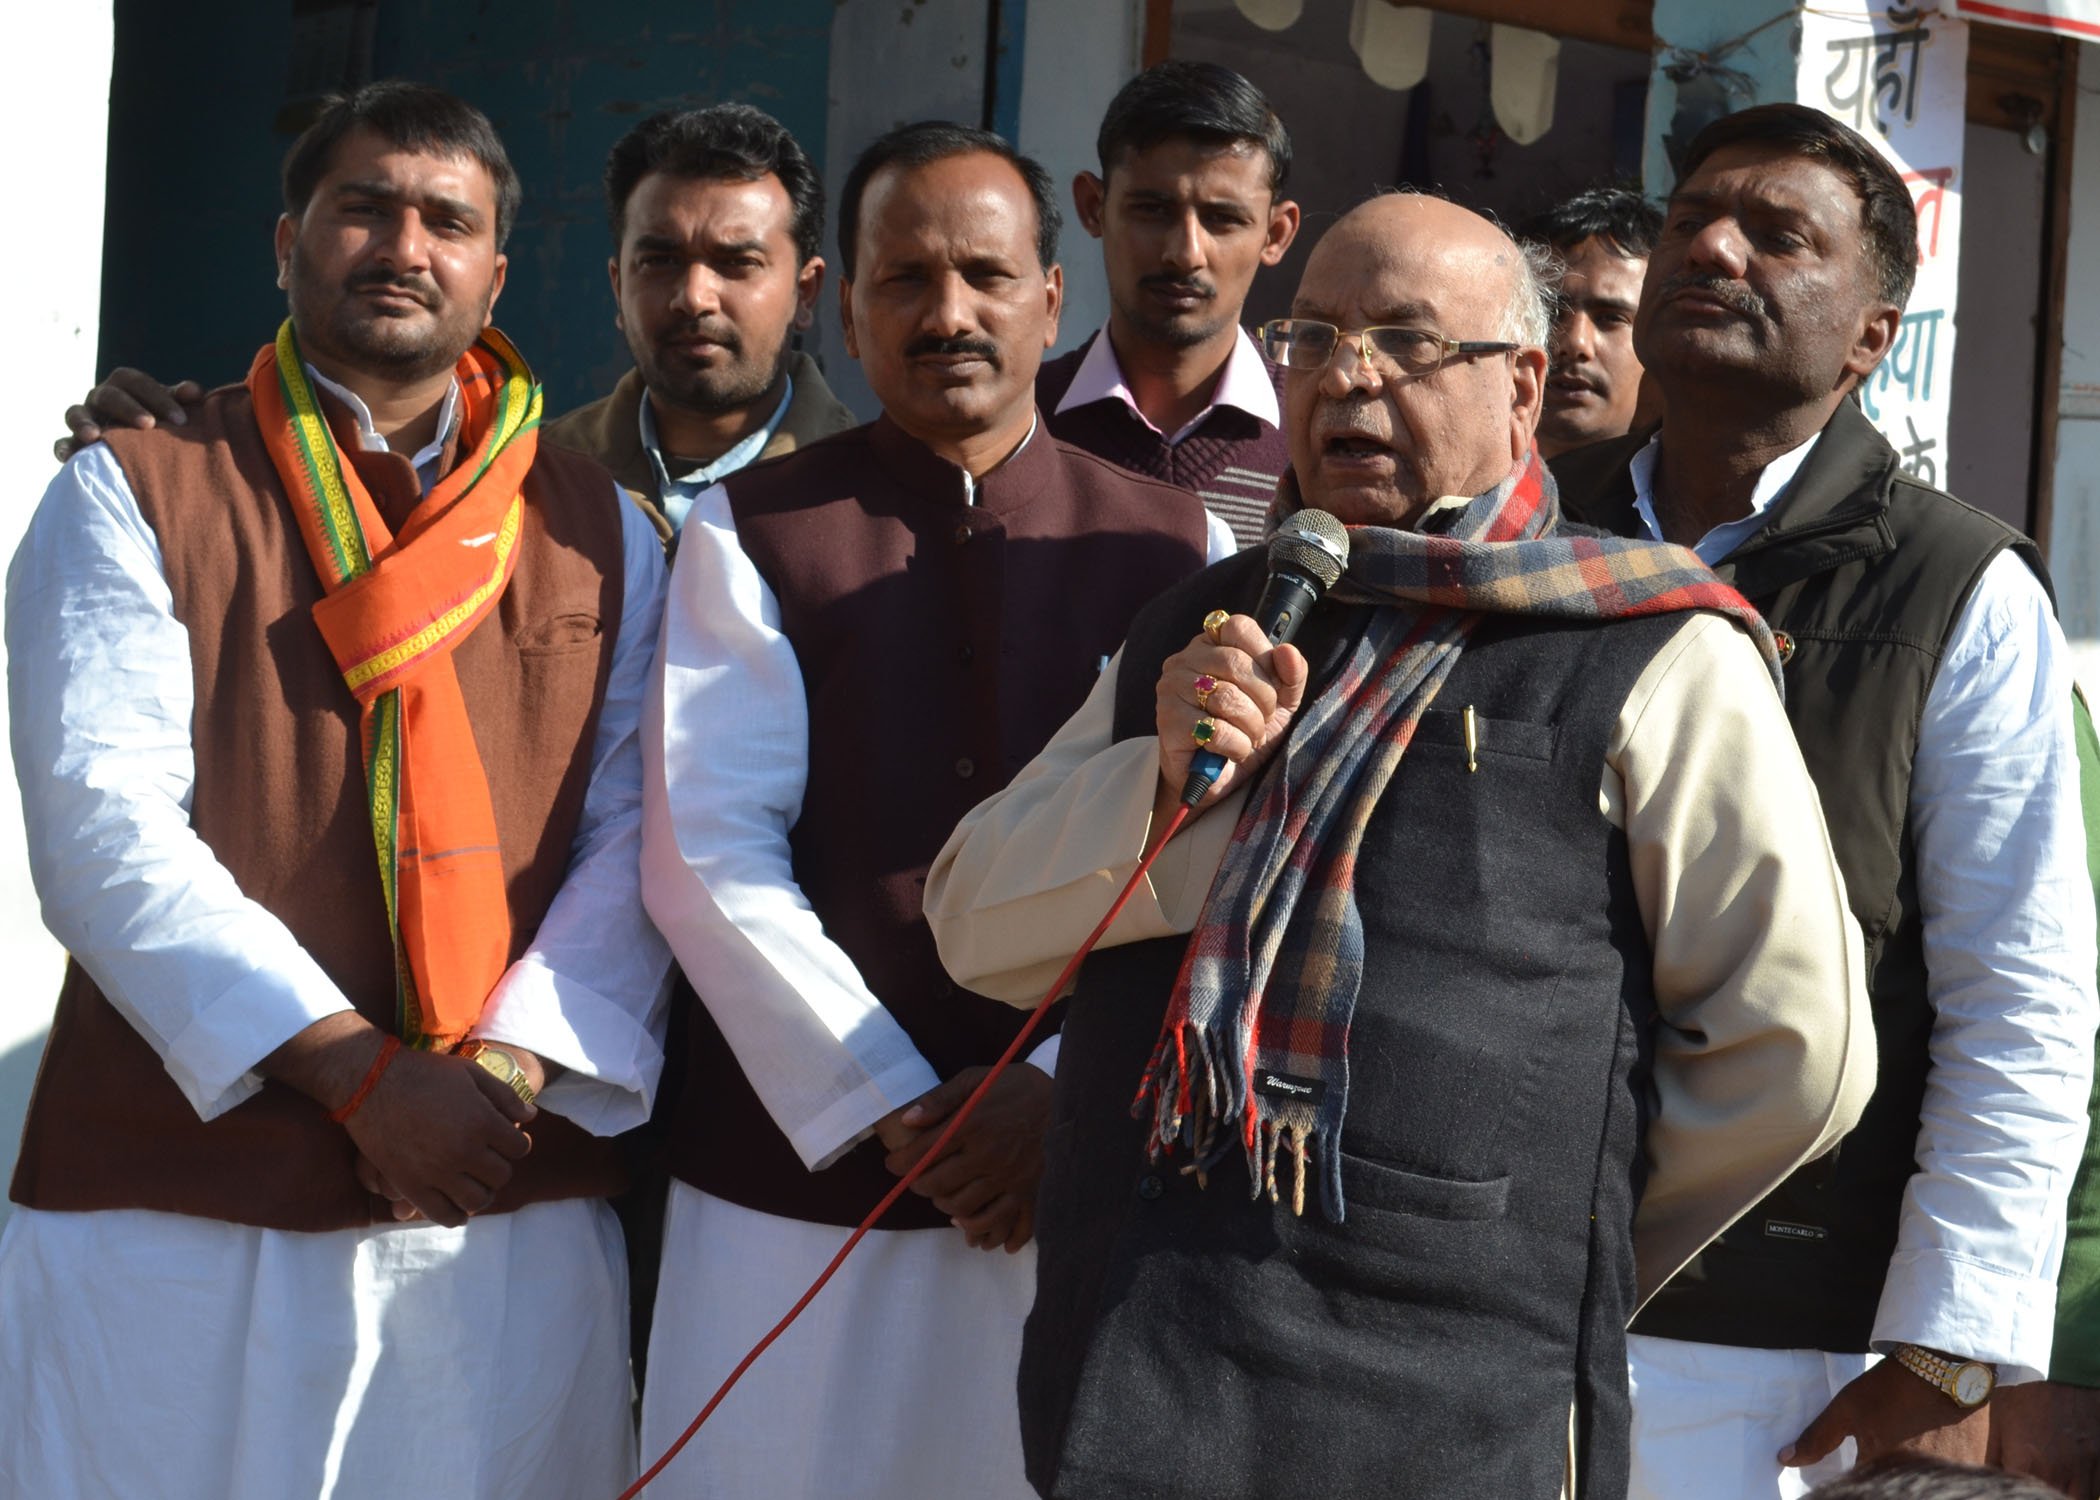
(500, 1065)
(1968, 1383)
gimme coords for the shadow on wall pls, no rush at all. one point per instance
(17, 1077)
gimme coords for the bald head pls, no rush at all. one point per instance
(1376, 446)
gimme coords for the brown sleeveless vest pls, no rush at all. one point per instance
(941, 645)
(279, 798)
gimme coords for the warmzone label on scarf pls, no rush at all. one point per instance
(1780, 1229)
(1288, 1086)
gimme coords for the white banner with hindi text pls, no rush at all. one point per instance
(1896, 71)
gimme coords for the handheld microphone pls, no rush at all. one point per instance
(1306, 557)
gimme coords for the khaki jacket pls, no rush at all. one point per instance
(609, 430)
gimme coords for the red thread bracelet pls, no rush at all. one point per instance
(387, 1048)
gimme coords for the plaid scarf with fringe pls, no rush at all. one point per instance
(1256, 1038)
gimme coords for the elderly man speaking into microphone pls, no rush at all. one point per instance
(1504, 963)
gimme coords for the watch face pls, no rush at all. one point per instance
(498, 1062)
(1972, 1383)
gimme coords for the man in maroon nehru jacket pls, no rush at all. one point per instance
(352, 607)
(868, 636)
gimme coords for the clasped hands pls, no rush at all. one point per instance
(985, 1179)
(436, 1135)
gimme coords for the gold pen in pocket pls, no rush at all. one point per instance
(1472, 740)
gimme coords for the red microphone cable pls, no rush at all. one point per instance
(955, 1123)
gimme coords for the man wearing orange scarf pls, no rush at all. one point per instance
(325, 713)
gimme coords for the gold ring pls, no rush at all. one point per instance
(1215, 622)
(1205, 686)
(1203, 731)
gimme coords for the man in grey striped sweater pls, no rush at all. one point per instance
(1188, 206)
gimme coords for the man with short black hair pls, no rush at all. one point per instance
(351, 606)
(717, 220)
(1602, 237)
(1930, 689)
(1188, 205)
(867, 636)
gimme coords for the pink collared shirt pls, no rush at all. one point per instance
(1245, 384)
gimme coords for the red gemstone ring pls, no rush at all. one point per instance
(1205, 686)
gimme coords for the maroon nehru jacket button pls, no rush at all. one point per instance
(962, 533)
(966, 768)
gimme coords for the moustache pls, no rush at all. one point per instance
(963, 348)
(415, 288)
(1186, 286)
(715, 333)
(1730, 294)
(1356, 417)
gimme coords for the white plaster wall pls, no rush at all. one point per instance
(2074, 538)
(925, 60)
(54, 112)
(891, 63)
(1765, 59)
(1077, 54)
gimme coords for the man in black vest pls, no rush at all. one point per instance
(1188, 206)
(1930, 693)
(869, 634)
(1574, 926)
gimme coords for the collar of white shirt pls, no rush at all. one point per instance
(426, 457)
(1244, 385)
(973, 486)
(678, 494)
(1729, 535)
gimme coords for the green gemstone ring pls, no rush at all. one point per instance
(1203, 731)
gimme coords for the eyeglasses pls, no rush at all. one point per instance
(1301, 344)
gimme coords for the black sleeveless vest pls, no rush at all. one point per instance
(1186, 1342)
(1865, 572)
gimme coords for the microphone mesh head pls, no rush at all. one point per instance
(1313, 544)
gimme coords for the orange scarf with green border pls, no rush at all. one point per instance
(395, 607)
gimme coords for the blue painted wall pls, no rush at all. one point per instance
(187, 277)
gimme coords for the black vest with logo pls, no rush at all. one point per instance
(1865, 573)
(1188, 1342)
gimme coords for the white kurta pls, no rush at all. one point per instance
(896, 1384)
(159, 1355)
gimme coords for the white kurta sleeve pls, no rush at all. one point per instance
(1030, 871)
(2009, 948)
(726, 757)
(589, 993)
(99, 701)
(1765, 1054)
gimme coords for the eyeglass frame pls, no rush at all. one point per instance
(1446, 346)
